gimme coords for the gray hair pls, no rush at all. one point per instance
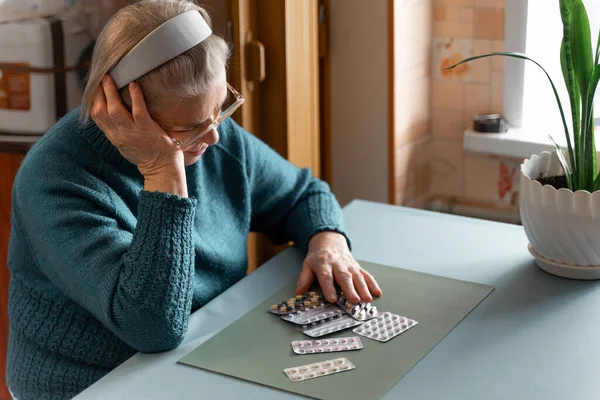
(187, 75)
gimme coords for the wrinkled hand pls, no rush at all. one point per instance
(330, 260)
(136, 135)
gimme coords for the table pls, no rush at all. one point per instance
(534, 337)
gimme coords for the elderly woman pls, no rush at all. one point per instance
(125, 224)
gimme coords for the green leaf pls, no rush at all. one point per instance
(566, 63)
(563, 164)
(566, 6)
(524, 57)
(581, 46)
(596, 183)
(589, 125)
(597, 49)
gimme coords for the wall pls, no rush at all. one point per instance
(411, 98)
(358, 53)
(360, 42)
(463, 28)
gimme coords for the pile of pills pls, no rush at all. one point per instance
(326, 345)
(300, 302)
(314, 314)
(315, 370)
(385, 327)
(330, 325)
(362, 311)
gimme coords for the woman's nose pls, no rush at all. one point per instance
(212, 137)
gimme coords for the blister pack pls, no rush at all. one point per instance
(326, 345)
(385, 327)
(329, 325)
(362, 311)
(294, 304)
(314, 314)
(315, 370)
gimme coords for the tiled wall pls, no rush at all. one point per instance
(463, 28)
(412, 137)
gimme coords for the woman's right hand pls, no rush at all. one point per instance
(136, 135)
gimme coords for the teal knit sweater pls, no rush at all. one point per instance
(101, 269)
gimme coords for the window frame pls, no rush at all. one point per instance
(515, 40)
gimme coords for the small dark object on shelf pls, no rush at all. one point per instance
(492, 123)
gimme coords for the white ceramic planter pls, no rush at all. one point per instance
(563, 227)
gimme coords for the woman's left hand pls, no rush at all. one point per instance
(330, 260)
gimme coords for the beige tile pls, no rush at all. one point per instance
(481, 178)
(482, 68)
(456, 29)
(448, 51)
(448, 124)
(446, 168)
(423, 180)
(408, 160)
(439, 13)
(455, 2)
(448, 95)
(489, 24)
(466, 14)
(477, 99)
(497, 92)
(497, 4)
(468, 121)
(497, 62)
(412, 110)
(491, 179)
(452, 14)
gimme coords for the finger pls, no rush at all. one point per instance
(138, 105)
(305, 279)
(371, 283)
(116, 111)
(98, 111)
(344, 279)
(360, 285)
(325, 278)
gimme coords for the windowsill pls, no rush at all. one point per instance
(517, 143)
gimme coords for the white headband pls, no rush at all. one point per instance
(172, 38)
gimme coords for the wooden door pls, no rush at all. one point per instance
(275, 66)
(9, 164)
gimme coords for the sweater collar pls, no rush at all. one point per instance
(100, 143)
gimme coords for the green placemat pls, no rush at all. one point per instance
(257, 347)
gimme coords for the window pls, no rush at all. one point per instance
(535, 27)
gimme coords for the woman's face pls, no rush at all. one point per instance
(187, 118)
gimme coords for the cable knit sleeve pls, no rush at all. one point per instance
(138, 283)
(288, 203)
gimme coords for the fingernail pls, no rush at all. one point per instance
(133, 85)
(105, 79)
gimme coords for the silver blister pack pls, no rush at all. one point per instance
(361, 311)
(316, 370)
(326, 345)
(329, 325)
(314, 314)
(385, 327)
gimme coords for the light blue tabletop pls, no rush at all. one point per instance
(535, 337)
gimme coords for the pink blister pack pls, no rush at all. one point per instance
(327, 345)
(318, 369)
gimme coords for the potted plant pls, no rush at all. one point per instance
(559, 193)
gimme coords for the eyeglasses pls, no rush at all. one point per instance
(232, 102)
